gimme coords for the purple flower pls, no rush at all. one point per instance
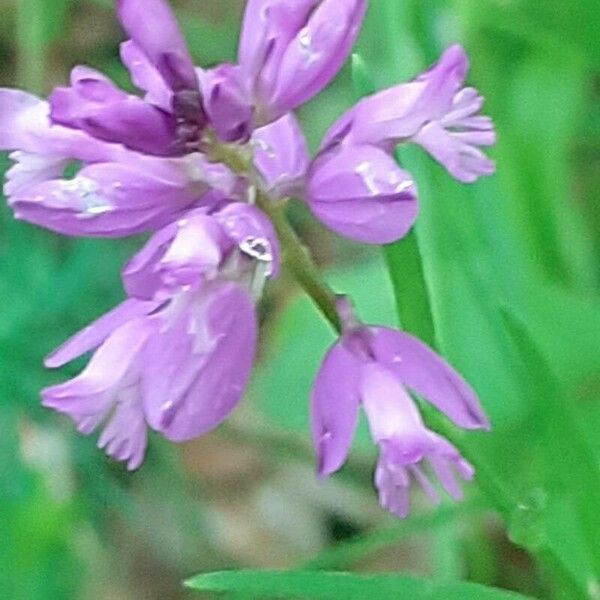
(290, 51)
(179, 361)
(169, 120)
(434, 111)
(180, 369)
(25, 126)
(237, 240)
(145, 76)
(373, 367)
(281, 157)
(114, 199)
(95, 105)
(40, 150)
(360, 192)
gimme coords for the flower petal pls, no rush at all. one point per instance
(268, 28)
(25, 126)
(281, 156)
(88, 398)
(95, 105)
(110, 199)
(458, 152)
(430, 376)
(145, 76)
(397, 113)
(197, 367)
(177, 256)
(93, 335)
(152, 25)
(29, 169)
(317, 52)
(124, 437)
(390, 410)
(227, 103)
(334, 408)
(253, 232)
(360, 192)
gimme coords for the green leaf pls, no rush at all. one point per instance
(572, 477)
(320, 585)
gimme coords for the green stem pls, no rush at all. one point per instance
(413, 318)
(31, 47)
(297, 259)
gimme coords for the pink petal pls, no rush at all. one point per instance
(334, 408)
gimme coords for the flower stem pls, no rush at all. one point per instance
(297, 259)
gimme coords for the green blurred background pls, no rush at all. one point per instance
(512, 269)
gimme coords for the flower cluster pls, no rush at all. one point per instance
(186, 160)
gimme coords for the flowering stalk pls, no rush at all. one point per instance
(199, 159)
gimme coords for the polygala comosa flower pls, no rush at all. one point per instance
(376, 367)
(176, 355)
(202, 160)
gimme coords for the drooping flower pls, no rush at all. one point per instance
(374, 367)
(175, 356)
(289, 51)
(360, 192)
(434, 110)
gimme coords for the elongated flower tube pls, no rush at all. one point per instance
(289, 51)
(374, 367)
(361, 193)
(178, 362)
(95, 105)
(434, 110)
